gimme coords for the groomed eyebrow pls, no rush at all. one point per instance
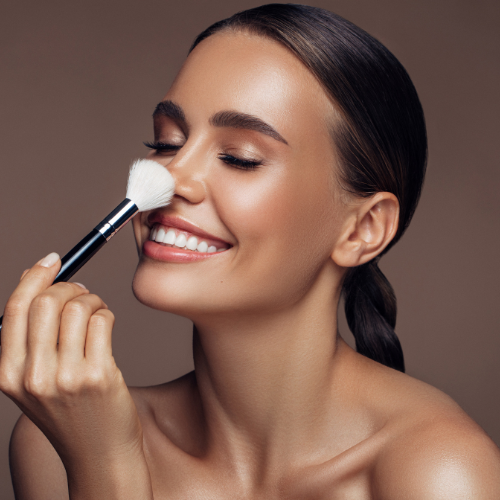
(235, 119)
(232, 119)
(170, 110)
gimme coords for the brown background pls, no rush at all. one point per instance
(78, 83)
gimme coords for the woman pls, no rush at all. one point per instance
(297, 143)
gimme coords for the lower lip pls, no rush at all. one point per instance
(172, 254)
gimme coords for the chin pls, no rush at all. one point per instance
(172, 289)
(196, 296)
(157, 288)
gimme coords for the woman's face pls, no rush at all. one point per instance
(244, 130)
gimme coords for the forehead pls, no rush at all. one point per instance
(255, 75)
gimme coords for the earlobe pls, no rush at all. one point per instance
(370, 227)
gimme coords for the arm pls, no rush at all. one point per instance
(56, 364)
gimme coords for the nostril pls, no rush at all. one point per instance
(190, 190)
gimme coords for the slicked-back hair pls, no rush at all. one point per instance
(381, 140)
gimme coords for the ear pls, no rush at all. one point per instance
(369, 228)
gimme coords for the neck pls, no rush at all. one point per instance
(267, 382)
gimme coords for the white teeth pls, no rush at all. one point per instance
(202, 247)
(159, 235)
(180, 241)
(192, 243)
(169, 238)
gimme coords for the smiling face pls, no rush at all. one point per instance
(244, 130)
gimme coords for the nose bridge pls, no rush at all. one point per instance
(189, 169)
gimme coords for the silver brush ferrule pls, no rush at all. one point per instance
(117, 218)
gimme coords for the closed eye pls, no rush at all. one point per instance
(239, 162)
(162, 147)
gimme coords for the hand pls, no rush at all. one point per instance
(56, 364)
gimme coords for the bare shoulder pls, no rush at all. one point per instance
(37, 471)
(447, 458)
(435, 450)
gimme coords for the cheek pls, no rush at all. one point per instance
(285, 228)
(245, 206)
(277, 207)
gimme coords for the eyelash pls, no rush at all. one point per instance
(163, 147)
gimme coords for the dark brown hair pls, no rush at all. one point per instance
(381, 140)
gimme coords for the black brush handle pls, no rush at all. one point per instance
(79, 255)
(86, 248)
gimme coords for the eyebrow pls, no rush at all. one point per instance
(232, 119)
(170, 110)
(235, 119)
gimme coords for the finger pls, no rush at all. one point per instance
(44, 319)
(15, 319)
(98, 346)
(25, 272)
(75, 319)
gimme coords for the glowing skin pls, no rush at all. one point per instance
(279, 407)
(281, 218)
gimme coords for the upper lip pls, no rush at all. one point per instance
(182, 224)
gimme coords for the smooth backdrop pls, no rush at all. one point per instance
(78, 83)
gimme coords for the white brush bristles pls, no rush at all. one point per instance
(150, 185)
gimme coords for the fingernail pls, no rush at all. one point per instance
(50, 260)
(79, 284)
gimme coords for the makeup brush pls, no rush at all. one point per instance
(149, 186)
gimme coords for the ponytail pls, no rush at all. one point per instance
(370, 309)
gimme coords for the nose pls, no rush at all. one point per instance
(189, 175)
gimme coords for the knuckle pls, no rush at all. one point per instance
(9, 383)
(67, 382)
(44, 301)
(36, 385)
(77, 308)
(102, 318)
(96, 379)
(15, 307)
(96, 301)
